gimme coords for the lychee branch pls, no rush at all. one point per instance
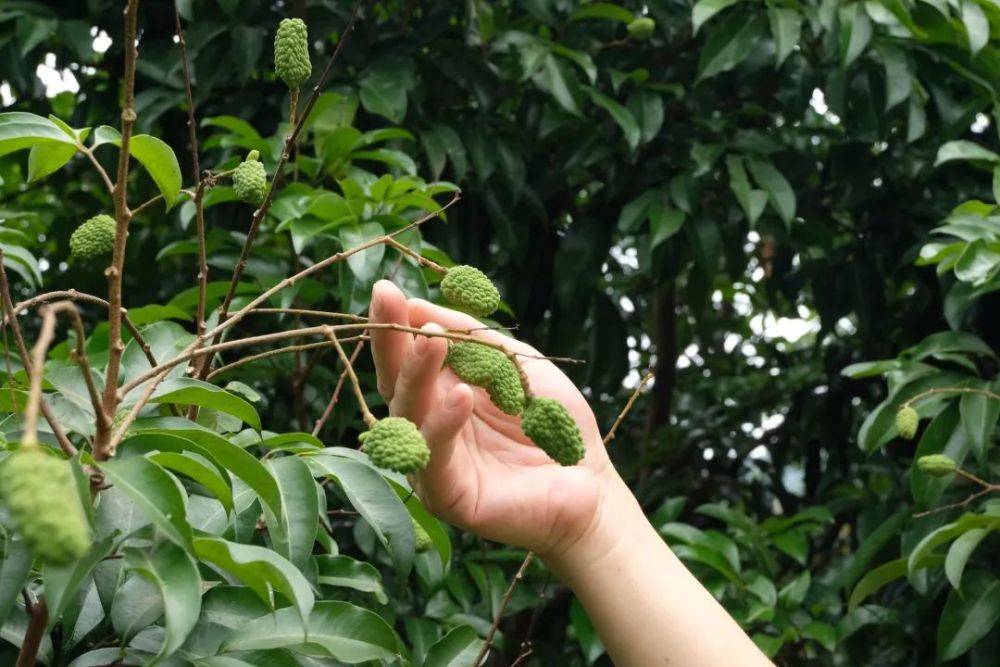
(420, 259)
(950, 390)
(366, 414)
(335, 396)
(279, 351)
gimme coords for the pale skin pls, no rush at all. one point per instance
(485, 476)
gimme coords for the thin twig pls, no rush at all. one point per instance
(154, 199)
(79, 355)
(503, 607)
(38, 352)
(327, 314)
(961, 503)
(420, 259)
(366, 414)
(951, 390)
(279, 351)
(336, 391)
(89, 152)
(628, 406)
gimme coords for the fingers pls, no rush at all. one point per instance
(445, 473)
(415, 387)
(389, 348)
(421, 312)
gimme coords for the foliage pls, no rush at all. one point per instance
(680, 203)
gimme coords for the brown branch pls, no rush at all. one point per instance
(628, 406)
(366, 414)
(336, 391)
(89, 152)
(273, 353)
(951, 390)
(38, 619)
(38, 352)
(154, 199)
(22, 350)
(122, 218)
(502, 608)
(961, 503)
(79, 355)
(420, 259)
(310, 313)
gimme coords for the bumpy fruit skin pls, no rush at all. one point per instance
(423, 540)
(291, 53)
(505, 388)
(907, 421)
(468, 288)
(395, 443)
(93, 238)
(250, 180)
(641, 28)
(550, 426)
(936, 465)
(40, 493)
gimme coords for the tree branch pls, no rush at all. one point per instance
(336, 391)
(366, 414)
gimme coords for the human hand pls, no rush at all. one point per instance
(485, 475)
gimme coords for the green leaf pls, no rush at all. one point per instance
(196, 467)
(19, 130)
(189, 391)
(779, 192)
(337, 630)
(977, 27)
(855, 32)
(365, 264)
(46, 158)
(262, 569)
(968, 618)
(375, 501)
(876, 579)
(62, 583)
(153, 154)
(920, 556)
(14, 570)
(157, 495)
(730, 43)
(602, 10)
(559, 81)
(175, 575)
(960, 552)
(794, 592)
(898, 76)
(458, 648)
(300, 509)
(870, 547)
(979, 419)
(706, 9)
(786, 26)
(964, 150)
(346, 572)
(751, 201)
(621, 115)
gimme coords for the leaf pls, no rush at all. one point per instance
(922, 553)
(365, 264)
(300, 509)
(898, 77)
(189, 391)
(195, 466)
(602, 10)
(62, 583)
(175, 575)
(705, 9)
(979, 419)
(870, 547)
(14, 570)
(338, 630)
(855, 32)
(154, 155)
(621, 115)
(964, 150)
(786, 26)
(262, 569)
(47, 158)
(558, 80)
(154, 492)
(968, 618)
(960, 552)
(730, 43)
(794, 592)
(19, 130)
(876, 579)
(751, 201)
(779, 192)
(977, 27)
(346, 572)
(375, 501)
(458, 648)
(647, 108)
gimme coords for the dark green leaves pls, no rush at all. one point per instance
(154, 154)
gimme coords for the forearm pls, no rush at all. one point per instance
(646, 606)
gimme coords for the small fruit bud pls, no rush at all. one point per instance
(550, 426)
(396, 444)
(936, 465)
(907, 421)
(423, 540)
(641, 28)
(250, 180)
(291, 53)
(468, 288)
(40, 492)
(93, 238)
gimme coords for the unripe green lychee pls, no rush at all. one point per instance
(907, 421)
(395, 443)
(936, 465)
(423, 540)
(505, 388)
(469, 289)
(40, 492)
(93, 238)
(250, 180)
(291, 53)
(641, 28)
(550, 426)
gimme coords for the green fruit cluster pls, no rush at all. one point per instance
(491, 369)
(40, 492)
(468, 288)
(423, 540)
(396, 444)
(250, 180)
(907, 421)
(550, 426)
(641, 28)
(936, 465)
(93, 238)
(291, 53)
